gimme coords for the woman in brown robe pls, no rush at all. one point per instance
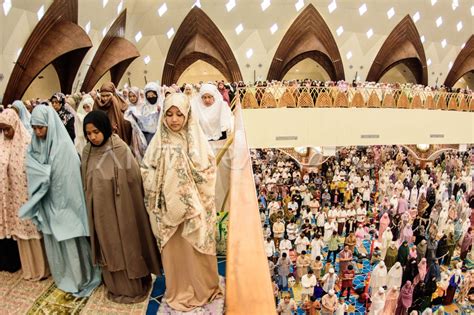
(114, 106)
(121, 237)
(179, 174)
(391, 256)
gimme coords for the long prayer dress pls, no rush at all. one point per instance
(57, 205)
(391, 300)
(391, 257)
(179, 173)
(454, 283)
(121, 237)
(20, 240)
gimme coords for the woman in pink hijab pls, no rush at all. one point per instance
(405, 299)
(422, 270)
(360, 234)
(384, 222)
(406, 234)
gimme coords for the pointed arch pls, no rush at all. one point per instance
(115, 53)
(403, 44)
(199, 38)
(57, 40)
(463, 64)
(308, 36)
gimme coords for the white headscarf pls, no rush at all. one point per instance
(213, 119)
(80, 141)
(395, 276)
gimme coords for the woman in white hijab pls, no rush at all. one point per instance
(395, 276)
(378, 302)
(85, 106)
(147, 115)
(378, 278)
(215, 116)
(179, 173)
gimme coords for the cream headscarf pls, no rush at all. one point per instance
(213, 119)
(179, 174)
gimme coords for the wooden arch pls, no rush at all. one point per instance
(403, 44)
(115, 53)
(413, 64)
(57, 40)
(463, 64)
(198, 38)
(308, 35)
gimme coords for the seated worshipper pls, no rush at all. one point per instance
(24, 114)
(114, 106)
(85, 106)
(147, 113)
(215, 116)
(56, 204)
(121, 237)
(19, 239)
(58, 101)
(179, 173)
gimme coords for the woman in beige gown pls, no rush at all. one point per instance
(391, 300)
(179, 174)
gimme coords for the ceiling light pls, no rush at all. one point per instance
(390, 13)
(439, 21)
(455, 4)
(423, 147)
(416, 17)
(170, 33)
(104, 32)
(362, 9)
(104, 3)
(433, 2)
(88, 27)
(274, 28)
(459, 26)
(428, 62)
(119, 7)
(239, 29)
(197, 4)
(7, 5)
(162, 10)
(444, 43)
(450, 65)
(349, 55)
(472, 10)
(18, 52)
(265, 4)
(333, 6)
(462, 46)
(249, 53)
(422, 38)
(299, 5)
(138, 36)
(40, 12)
(230, 5)
(370, 33)
(340, 30)
(147, 60)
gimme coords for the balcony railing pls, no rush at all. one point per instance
(359, 97)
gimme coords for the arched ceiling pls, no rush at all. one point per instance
(142, 16)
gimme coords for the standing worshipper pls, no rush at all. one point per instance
(384, 223)
(391, 255)
(466, 245)
(283, 266)
(114, 106)
(421, 250)
(395, 276)
(347, 277)
(422, 270)
(378, 277)
(403, 253)
(147, 113)
(329, 303)
(24, 115)
(57, 204)
(114, 198)
(391, 300)
(58, 101)
(345, 258)
(433, 271)
(85, 106)
(183, 220)
(378, 302)
(19, 239)
(215, 116)
(224, 92)
(405, 299)
(454, 283)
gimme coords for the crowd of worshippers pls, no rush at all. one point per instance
(114, 192)
(316, 221)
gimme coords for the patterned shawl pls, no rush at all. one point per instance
(179, 174)
(13, 183)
